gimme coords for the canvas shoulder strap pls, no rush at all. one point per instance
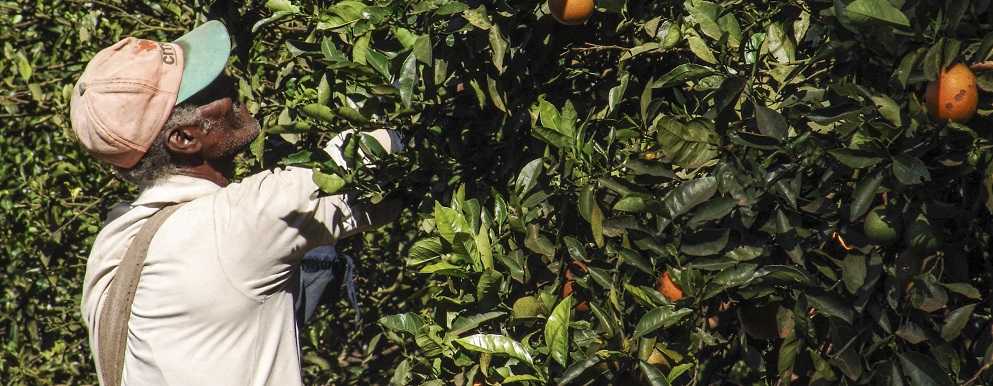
(112, 334)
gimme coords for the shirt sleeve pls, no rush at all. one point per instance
(265, 223)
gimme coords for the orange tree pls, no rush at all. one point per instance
(770, 166)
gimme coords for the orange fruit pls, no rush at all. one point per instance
(953, 96)
(575, 267)
(567, 289)
(668, 289)
(571, 12)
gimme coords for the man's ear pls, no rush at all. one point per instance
(185, 140)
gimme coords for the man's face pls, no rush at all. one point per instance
(231, 127)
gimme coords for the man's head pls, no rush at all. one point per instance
(152, 108)
(207, 130)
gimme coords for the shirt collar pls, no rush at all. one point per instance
(174, 189)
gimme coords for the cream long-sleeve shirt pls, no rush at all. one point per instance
(214, 304)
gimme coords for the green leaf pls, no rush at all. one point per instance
(830, 304)
(634, 259)
(616, 93)
(348, 11)
(853, 272)
(956, 321)
(780, 44)
(527, 179)
(498, 45)
(706, 242)
(699, 47)
(964, 289)
(653, 374)
(407, 322)
(771, 122)
(678, 370)
(484, 247)
(577, 369)
(351, 115)
(933, 60)
(596, 224)
(496, 344)
(425, 250)
(923, 370)
(422, 49)
(323, 91)
(687, 144)
(646, 168)
(688, 195)
(371, 146)
(318, 111)
(538, 243)
(910, 170)
(444, 268)
(329, 183)
(488, 289)
(463, 324)
(281, 6)
(408, 79)
(757, 141)
(401, 374)
(906, 67)
(704, 14)
(681, 74)
(881, 10)
(478, 17)
(557, 331)
(660, 317)
(406, 37)
(888, 108)
(985, 48)
(360, 48)
(632, 204)
(449, 221)
(379, 62)
(855, 159)
(512, 379)
(586, 201)
(864, 193)
(737, 275)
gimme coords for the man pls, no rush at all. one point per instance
(214, 304)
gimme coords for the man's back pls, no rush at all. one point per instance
(213, 306)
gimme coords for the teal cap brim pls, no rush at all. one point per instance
(205, 53)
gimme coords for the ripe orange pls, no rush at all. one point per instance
(567, 289)
(571, 12)
(668, 289)
(953, 96)
(573, 268)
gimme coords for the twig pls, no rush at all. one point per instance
(981, 66)
(595, 47)
(979, 373)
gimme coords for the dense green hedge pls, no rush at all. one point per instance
(736, 145)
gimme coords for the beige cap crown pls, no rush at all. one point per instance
(124, 97)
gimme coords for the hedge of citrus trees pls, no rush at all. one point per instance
(686, 193)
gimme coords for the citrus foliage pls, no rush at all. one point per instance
(737, 146)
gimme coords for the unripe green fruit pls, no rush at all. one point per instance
(527, 307)
(920, 236)
(881, 226)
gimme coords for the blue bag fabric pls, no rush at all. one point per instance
(321, 267)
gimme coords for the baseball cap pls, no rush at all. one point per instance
(128, 90)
